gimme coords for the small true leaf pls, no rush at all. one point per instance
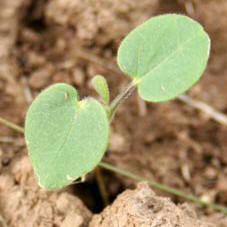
(101, 87)
(66, 138)
(166, 55)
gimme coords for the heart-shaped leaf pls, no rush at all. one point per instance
(66, 138)
(166, 55)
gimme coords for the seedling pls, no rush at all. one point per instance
(67, 137)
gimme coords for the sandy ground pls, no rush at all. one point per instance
(43, 42)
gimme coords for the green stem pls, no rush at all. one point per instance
(110, 110)
(11, 125)
(139, 178)
(164, 188)
(120, 98)
(101, 185)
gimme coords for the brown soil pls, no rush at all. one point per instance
(141, 207)
(41, 43)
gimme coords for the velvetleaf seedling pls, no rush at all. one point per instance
(67, 137)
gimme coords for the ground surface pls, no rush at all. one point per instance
(43, 42)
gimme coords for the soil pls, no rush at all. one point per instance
(141, 207)
(48, 41)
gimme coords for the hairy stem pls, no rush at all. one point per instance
(110, 110)
(164, 188)
(120, 98)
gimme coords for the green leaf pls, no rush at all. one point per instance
(101, 87)
(66, 138)
(166, 55)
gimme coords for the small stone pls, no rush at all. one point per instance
(117, 142)
(72, 219)
(78, 76)
(39, 78)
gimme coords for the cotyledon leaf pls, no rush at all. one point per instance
(66, 138)
(166, 55)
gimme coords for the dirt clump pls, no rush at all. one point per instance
(11, 15)
(24, 203)
(103, 21)
(141, 207)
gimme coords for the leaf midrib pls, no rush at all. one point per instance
(168, 57)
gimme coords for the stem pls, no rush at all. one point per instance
(11, 125)
(120, 98)
(101, 186)
(164, 188)
(133, 176)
